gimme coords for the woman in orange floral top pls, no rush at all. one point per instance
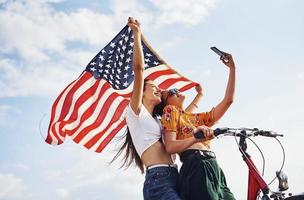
(200, 176)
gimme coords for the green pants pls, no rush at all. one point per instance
(201, 178)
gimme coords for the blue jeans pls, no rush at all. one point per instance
(160, 184)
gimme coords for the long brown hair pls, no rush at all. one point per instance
(128, 147)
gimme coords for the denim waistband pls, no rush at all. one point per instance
(160, 167)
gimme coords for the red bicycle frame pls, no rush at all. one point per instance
(255, 180)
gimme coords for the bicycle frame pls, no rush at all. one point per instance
(256, 183)
(255, 180)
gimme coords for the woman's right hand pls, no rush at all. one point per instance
(134, 25)
(228, 60)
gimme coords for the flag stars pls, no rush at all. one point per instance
(112, 44)
(114, 62)
(127, 67)
(130, 51)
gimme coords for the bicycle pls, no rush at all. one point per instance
(256, 183)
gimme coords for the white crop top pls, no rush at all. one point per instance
(144, 129)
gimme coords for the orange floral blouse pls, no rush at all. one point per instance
(183, 123)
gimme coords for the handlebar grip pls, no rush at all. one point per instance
(216, 132)
(219, 131)
(268, 133)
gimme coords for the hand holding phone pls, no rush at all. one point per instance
(225, 57)
(218, 52)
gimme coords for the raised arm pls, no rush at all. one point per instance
(193, 105)
(223, 106)
(138, 66)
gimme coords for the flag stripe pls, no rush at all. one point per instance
(103, 124)
(188, 86)
(105, 142)
(100, 117)
(87, 109)
(115, 118)
(88, 117)
(85, 82)
(167, 83)
(53, 137)
(73, 113)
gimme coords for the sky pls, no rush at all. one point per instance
(46, 44)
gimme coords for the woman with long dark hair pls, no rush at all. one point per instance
(143, 138)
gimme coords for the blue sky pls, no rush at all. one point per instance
(46, 44)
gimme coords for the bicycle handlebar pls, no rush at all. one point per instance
(246, 132)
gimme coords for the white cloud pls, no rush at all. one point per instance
(189, 12)
(36, 39)
(35, 30)
(62, 193)
(93, 177)
(20, 80)
(170, 44)
(11, 186)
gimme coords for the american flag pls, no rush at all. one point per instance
(91, 109)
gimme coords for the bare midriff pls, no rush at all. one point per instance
(156, 154)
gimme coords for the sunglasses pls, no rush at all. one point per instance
(172, 92)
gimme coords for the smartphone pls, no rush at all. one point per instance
(218, 52)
